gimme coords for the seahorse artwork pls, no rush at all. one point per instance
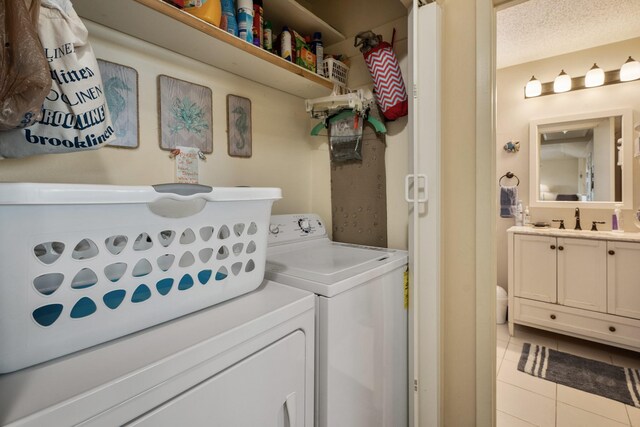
(120, 85)
(239, 125)
(116, 101)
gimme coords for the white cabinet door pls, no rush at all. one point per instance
(535, 267)
(623, 265)
(266, 389)
(582, 273)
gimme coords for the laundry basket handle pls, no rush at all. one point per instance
(182, 189)
(170, 207)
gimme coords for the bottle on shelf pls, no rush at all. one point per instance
(258, 23)
(285, 44)
(207, 10)
(268, 36)
(228, 21)
(245, 20)
(318, 50)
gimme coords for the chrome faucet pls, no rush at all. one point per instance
(577, 227)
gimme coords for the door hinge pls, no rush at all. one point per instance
(415, 384)
(415, 91)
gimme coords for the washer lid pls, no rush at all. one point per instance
(325, 261)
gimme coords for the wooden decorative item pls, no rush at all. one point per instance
(239, 126)
(186, 115)
(121, 91)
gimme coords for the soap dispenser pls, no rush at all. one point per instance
(526, 217)
(617, 221)
(519, 213)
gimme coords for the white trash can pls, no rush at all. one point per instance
(501, 305)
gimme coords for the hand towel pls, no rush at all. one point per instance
(508, 201)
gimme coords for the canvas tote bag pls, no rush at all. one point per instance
(75, 115)
(24, 72)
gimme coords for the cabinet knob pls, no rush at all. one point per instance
(552, 246)
(612, 252)
(612, 328)
(561, 248)
(553, 317)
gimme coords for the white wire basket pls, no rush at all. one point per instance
(336, 71)
(84, 264)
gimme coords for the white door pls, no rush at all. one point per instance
(423, 194)
(534, 269)
(582, 274)
(266, 390)
(623, 266)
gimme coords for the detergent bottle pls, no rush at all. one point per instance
(228, 21)
(245, 20)
(209, 10)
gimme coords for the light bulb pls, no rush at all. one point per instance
(562, 83)
(533, 88)
(594, 77)
(630, 70)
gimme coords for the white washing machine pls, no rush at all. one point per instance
(361, 324)
(246, 362)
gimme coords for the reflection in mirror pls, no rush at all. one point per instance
(579, 160)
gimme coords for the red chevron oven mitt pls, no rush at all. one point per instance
(389, 86)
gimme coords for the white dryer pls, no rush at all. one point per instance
(242, 363)
(361, 325)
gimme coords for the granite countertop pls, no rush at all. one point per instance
(581, 234)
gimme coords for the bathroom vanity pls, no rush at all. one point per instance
(580, 283)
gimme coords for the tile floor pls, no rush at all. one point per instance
(525, 401)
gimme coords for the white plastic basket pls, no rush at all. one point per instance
(84, 264)
(336, 71)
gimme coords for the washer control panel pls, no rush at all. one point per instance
(295, 227)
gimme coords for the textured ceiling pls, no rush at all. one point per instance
(537, 29)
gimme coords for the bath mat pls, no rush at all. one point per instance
(610, 381)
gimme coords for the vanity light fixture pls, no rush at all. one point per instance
(594, 77)
(562, 83)
(533, 88)
(630, 70)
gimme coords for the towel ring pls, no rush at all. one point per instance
(509, 175)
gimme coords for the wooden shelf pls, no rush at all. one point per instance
(292, 14)
(166, 26)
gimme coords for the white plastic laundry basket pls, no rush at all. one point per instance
(84, 264)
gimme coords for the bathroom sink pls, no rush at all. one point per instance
(612, 235)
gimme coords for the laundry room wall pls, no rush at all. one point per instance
(282, 148)
(397, 138)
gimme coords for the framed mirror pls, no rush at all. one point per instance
(583, 160)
